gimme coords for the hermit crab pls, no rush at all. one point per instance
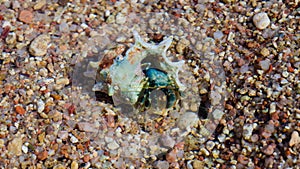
(145, 68)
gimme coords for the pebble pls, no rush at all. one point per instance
(210, 145)
(265, 64)
(62, 81)
(272, 108)
(64, 27)
(39, 45)
(11, 38)
(63, 135)
(217, 114)
(26, 16)
(42, 155)
(188, 119)
(284, 81)
(87, 127)
(269, 149)
(20, 110)
(113, 145)
(73, 139)
(24, 149)
(295, 139)
(182, 44)
(215, 97)
(265, 52)
(218, 35)
(171, 156)
(198, 164)
(247, 131)
(254, 138)
(74, 165)
(15, 146)
(39, 4)
(1, 143)
(40, 106)
(221, 137)
(59, 166)
(120, 18)
(261, 20)
(167, 141)
(162, 165)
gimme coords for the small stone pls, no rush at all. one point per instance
(20, 110)
(40, 106)
(215, 97)
(210, 145)
(74, 165)
(171, 156)
(217, 114)
(24, 149)
(218, 35)
(39, 45)
(11, 38)
(254, 138)
(86, 158)
(221, 137)
(167, 141)
(284, 81)
(285, 74)
(247, 131)
(39, 4)
(59, 166)
(198, 164)
(42, 155)
(87, 127)
(63, 135)
(265, 64)
(162, 165)
(261, 20)
(188, 119)
(204, 151)
(269, 149)
(113, 145)
(15, 146)
(252, 93)
(295, 139)
(1, 143)
(41, 137)
(62, 81)
(242, 159)
(26, 16)
(64, 27)
(73, 139)
(265, 52)
(182, 44)
(120, 18)
(272, 108)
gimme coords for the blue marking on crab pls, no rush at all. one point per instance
(158, 80)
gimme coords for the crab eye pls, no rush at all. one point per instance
(119, 58)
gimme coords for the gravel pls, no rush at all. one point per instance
(241, 56)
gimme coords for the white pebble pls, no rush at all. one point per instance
(188, 119)
(265, 64)
(24, 149)
(73, 139)
(39, 45)
(113, 145)
(261, 20)
(295, 139)
(218, 35)
(41, 106)
(272, 107)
